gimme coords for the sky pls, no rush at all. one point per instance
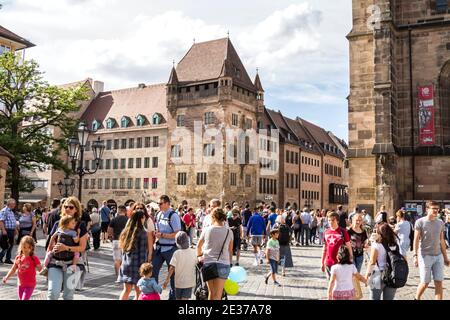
(298, 46)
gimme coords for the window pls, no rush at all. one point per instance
(130, 163)
(95, 125)
(147, 142)
(108, 164)
(137, 183)
(93, 164)
(155, 142)
(124, 122)
(201, 178)
(86, 164)
(209, 117)
(140, 120)
(131, 143)
(296, 158)
(108, 144)
(296, 181)
(155, 162)
(115, 164)
(122, 183)
(441, 6)
(292, 157)
(146, 163)
(182, 178)
(114, 183)
(287, 156)
(139, 143)
(154, 183)
(233, 179)
(248, 180)
(40, 183)
(123, 144)
(209, 150)
(123, 163)
(138, 163)
(180, 120)
(234, 119)
(100, 184)
(130, 183)
(116, 144)
(146, 182)
(110, 123)
(86, 183)
(107, 183)
(176, 151)
(156, 119)
(4, 48)
(248, 124)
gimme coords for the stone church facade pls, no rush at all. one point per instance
(399, 103)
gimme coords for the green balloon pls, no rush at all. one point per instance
(231, 287)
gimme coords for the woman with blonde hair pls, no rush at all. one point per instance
(133, 243)
(215, 251)
(358, 240)
(59, 275)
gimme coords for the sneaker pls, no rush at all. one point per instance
(277, 283)
(261, 261)
(44, 272)
(9, 262)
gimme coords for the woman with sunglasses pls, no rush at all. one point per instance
(59, 275)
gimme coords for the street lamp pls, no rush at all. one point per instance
(66, 184)
(76, 150)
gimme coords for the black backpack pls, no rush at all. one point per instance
(395, 274)
(284, 237)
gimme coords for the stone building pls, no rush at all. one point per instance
(399, 103)
(4, 160)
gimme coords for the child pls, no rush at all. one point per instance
(65, 234)
(183, 263)
(341, 280)
(26, 264)
(273, 256)
(150, 289)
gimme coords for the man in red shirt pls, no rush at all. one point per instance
(189, 221)
(334, 238)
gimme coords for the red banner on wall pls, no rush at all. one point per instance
(426, 116)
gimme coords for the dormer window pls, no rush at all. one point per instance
(289, 136)
(95, 125)
(110, 123)
(124, 122)
(140, 120)
(156, 119)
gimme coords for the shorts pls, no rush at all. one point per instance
(236, 245)
(273, 266)
(117, 252)
(183, 293)
(223, 270)
(431, 265)
(105, 226)
(344, 295)
(257, 240)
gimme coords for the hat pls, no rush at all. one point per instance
(182, 240)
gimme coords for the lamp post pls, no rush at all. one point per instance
(76, 152)
(66, 184)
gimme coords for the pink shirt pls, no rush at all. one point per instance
(26, 270)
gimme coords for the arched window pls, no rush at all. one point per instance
(140, 120)
(156, 119)
(110, 123)
(124, 122)
(95, 125)
(443, 112)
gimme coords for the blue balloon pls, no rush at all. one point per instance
(237, 274)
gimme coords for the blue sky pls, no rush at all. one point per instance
(299, 46)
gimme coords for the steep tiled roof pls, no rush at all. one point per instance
(277, 118)
(302, 135)
(127, 102)
(258, 84)
(206, 61)
(321, 136)
(5, 33)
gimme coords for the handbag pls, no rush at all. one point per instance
(211, 271)
(358, 290)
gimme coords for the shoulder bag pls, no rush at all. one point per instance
(211, 271)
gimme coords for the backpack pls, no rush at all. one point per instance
(285, 236)
(396, 272)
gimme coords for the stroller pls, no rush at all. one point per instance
(201, 289)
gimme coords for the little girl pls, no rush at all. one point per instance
(341, 280)
(26, 264)
(150, 289)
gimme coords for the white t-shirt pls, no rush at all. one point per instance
(207, 222)
(150, 225)
(344, 276)
(381, 259)
(184, 261)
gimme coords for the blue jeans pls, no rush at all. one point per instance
(388, 293)
(158, 260)
(10, 234)
(58, 278)
(358, 261)
(305, 234)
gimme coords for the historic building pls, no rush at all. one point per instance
(399, 103)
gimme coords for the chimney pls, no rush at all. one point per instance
(98, 87)
(141, 85)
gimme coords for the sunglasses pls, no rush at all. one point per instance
(69, 207)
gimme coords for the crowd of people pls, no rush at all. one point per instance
(206, 242)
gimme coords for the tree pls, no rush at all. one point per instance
(31, 111)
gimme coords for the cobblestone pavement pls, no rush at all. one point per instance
(303, 282)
